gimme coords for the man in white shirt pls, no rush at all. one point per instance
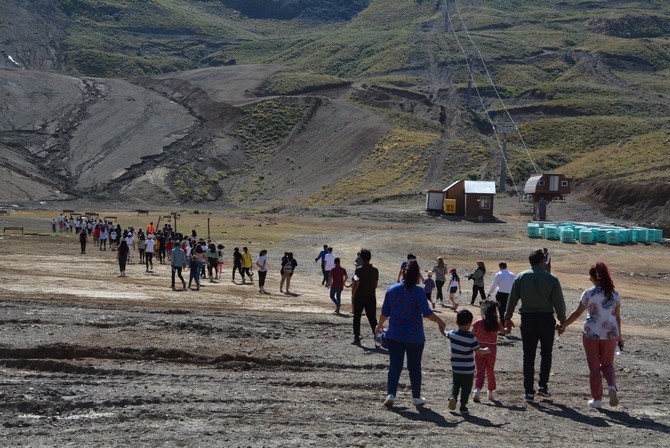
(502, 283)
(328, 264)
(130, 241)
(149, 252)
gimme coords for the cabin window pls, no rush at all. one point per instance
(564, 183)
(540, 182)
(485, 203)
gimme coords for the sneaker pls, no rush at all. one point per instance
(464, 410)
(528, 397)
(452, 403)
(419, 401)
(357, 341)
(614, 397)
(597, 404)
(389, 401)
(543, 392)
(492, 395)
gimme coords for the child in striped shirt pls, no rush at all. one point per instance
(463, 347)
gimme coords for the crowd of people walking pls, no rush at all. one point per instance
(399, 326)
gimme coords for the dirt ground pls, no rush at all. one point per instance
(91, 359)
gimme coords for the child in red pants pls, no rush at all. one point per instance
(486, 331)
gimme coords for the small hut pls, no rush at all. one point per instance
(474, 199)
(435, 201)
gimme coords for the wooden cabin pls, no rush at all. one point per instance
(474, 198)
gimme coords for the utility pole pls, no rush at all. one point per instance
(468, 95)
(446, 17)
(504, 129)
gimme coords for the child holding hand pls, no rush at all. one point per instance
(486, 331)
(463, 347)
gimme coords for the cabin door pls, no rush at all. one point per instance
(553, 183)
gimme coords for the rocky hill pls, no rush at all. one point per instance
(315, 102)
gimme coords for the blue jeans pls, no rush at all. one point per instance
(397, 352)
(335, 296)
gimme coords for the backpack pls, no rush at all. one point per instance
(288, 267)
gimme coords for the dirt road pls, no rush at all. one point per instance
(91, 359)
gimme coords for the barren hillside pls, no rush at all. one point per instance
(301, 103)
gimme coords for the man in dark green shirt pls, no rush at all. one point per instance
(540, 294)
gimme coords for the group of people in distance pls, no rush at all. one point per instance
(474, 344)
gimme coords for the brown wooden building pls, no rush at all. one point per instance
(474, 198)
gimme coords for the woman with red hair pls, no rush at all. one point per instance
(601, 332)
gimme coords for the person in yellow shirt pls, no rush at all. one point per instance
(246, 265)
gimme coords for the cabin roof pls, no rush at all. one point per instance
(480, 187)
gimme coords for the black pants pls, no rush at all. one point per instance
(211, 267)
(261, 279)
(325, 274)
(477, 289)
(177, 270)
(537, 327)
(462, 385)
(149, 260)
(369, 304)
(439, 284)
(501, 298)
(83, 246)
(238, 268)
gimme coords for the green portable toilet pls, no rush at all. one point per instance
(586, 236)
(566, 234)
(578, 230)
(655, 235)
(602, 235)
(639, 235)
(613, 237)
(551, 232)
(533, 230)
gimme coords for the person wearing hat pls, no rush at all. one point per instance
(502, 285)
(149, 245)
(478, 282)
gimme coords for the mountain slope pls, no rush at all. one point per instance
(219, 105)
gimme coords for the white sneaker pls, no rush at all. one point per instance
(475, 396)
(419, 401)
(389, 401)
(597, 404)
(492, 395)
(614, 397)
